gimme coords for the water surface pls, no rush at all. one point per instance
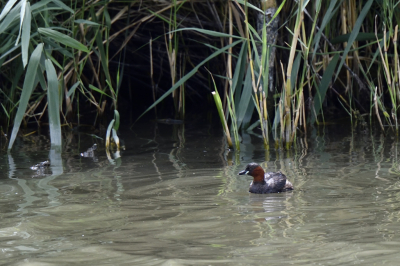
(174, 198)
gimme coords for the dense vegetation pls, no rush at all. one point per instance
(64, 61)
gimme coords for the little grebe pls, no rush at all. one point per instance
(266, 182)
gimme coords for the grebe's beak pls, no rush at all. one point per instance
(244, 172)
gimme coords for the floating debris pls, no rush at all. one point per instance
(42, 169)
(89, 153)
(41, 165)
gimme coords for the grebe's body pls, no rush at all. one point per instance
(266, 182)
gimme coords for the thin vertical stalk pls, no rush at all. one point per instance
(288, 89)
(396, 81)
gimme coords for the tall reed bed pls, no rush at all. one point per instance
(70, 43)
(305, 62)
(322, 67)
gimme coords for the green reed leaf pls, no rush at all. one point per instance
(323, 87)
(27, 89)
(327, 17)
(7, 8)
(26, 34)
(62, 38)
(54, 104)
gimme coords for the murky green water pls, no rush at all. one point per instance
(174, 198)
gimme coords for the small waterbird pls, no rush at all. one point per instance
(266, 182)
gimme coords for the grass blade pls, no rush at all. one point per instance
(7, 8)
(328, 16)
(323, 87)
(54, 104)
(26, 34)
(11, 17)
(62, 38)
(73, 88)
(98, 90)
(244, 101)
(209, 32)
(63, 6)
(220, 109)
(27, 88)
(87, 22)
(21, 19)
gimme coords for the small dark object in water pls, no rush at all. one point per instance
(266, 182)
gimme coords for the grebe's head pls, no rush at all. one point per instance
(254, 170)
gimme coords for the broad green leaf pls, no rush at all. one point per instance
(101, 51)
(327, 17)
(361, 36)
(245, 98)
(40, 5)
(63, 6)
(57, 47)
(218, 103)
(21, 19)
(54, 104)
(265, 52)
(107, 18)
(87, 22)
(255, 33)
(295, 71)
(278, 11)
(250, 5)
(240, 71)
(12, 16)
(26, 35)
(61, 29)
(254, 125)
(27, 89)
(62, 38)
(99, 91)
(103, 56)
(73, 88)
(7, 8)
(323, 87)
(209, 32)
